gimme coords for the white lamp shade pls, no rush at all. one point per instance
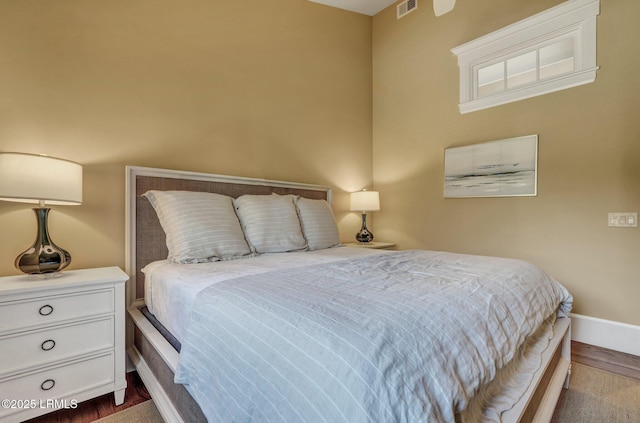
(365, 201)
(31, 178)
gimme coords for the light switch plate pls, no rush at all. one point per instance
(623, 220)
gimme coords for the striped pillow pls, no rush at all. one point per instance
(270, 223)
(318, 223)
(199, 226)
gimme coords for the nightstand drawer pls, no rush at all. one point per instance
(54, 308)
(27, 349)
(59, 382)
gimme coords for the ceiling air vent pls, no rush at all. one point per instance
(406, 7)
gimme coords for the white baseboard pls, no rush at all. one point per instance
(606, 334)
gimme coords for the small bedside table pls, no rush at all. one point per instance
(373, 244)
(62, 340)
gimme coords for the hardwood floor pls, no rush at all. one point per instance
(102, 406)
(612, 361)
(89, 411)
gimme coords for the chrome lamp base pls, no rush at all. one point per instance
(43, 256)
(364, 236)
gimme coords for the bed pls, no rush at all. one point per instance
(299, 328)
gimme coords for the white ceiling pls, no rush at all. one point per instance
(366, 7)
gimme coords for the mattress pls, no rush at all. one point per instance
(171, 289)
(298, 309)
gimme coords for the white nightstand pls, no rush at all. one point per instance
(62, 341)
(373, 244)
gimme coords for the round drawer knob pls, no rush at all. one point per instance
(47, 384)
(48, 345)
(45, 310)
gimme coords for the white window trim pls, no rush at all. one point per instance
(575, 18)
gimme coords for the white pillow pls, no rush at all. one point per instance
(270, 223)
(318, 223)
(199, 226)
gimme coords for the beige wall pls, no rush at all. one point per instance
(283, 90)
(589, 152)
(277, 89)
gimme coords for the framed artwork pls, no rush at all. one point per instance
(500, 168)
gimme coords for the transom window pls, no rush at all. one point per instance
(527, 68)
(548, 52)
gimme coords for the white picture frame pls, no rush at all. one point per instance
(502, 168)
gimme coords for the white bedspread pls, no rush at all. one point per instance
(171, 289)
(403, 337)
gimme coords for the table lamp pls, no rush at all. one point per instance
(31, 178)
(365, 201)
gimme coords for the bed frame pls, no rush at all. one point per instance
(156, 360)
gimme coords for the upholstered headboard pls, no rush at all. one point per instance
(145, 238)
